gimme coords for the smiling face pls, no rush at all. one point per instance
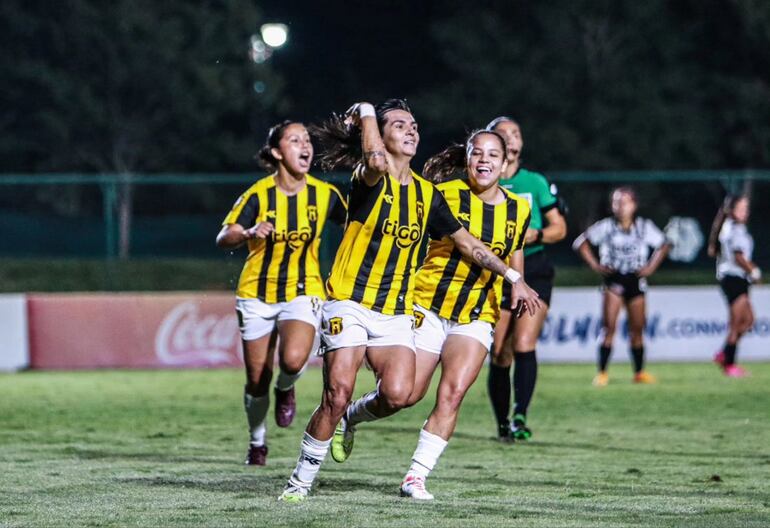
(485, 161)
(623, 205)
(295, 151)
(400, 134)
(513, 140)
(741, 210)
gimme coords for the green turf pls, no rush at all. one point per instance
(137, 448)
(169, 274)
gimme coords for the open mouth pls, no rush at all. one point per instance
(305, 157)
(483, 170)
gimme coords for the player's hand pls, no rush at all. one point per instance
(603, 270)
(352, 115)
(524, 298)
(261, 230)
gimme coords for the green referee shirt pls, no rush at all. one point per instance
(535, 189)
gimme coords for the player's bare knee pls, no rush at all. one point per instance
(450, 399)
(292, 363)
(395, 397)
(525, 343)
(336, 399)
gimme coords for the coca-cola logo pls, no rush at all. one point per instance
(188, 337)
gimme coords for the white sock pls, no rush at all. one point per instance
(256, 411)
(286, 381)
(311, 455)
(357, 411)
(429, 448)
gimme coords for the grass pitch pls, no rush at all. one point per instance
(136, 448)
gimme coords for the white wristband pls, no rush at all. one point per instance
(366, 110)
(755, 274)
(512, 276)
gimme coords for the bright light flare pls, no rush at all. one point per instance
(275, 35)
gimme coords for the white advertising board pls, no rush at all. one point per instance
(687, 323)
(14, 342)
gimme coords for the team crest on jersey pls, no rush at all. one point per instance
(419, 317)
(420, 211)
(312, 213)
(335, 325)
(510, 229)
(405, 235)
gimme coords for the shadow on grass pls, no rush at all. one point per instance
(103, 454)
(249, 484)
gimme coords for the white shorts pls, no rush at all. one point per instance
(257, 319)
(431, 330)
(348, 324)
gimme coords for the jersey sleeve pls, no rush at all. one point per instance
(441, 221)
(598, 232)
(653, 236)
(545, 199)
(244, 212)
(338, 207)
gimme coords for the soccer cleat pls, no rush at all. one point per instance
(285, 407)
(414, 486)
(644, 377)
(342, 441)
(602, 379)
(256, 456)
(734, 371)
(719, 358)
(504, 433)
(293, 494)
(519, 429)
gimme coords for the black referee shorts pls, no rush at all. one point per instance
(538, 274)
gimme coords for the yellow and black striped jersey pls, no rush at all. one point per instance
(285, 264)
(455, 287)
(375, 262)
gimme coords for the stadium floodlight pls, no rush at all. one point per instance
(274, 35)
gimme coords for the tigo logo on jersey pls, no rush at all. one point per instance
(295, 239)
(498, 248)
(510, 229)
(405, 235)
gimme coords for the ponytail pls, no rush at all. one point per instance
(713, 248)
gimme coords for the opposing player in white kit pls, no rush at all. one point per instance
(624, 241)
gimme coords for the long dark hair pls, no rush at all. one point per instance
(724, 211)
(340, 144)
(454, 158)
(274, 136)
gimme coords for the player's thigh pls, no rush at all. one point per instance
(340, 370)
(611, 305)
(297, 340)
(502, 349)
(527, 329)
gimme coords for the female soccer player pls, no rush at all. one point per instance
(371, 285)
(281, 218)
(732, 245)
(457, 302)
(516, 343)
(623, 241)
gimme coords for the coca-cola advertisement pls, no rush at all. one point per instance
(175, 330)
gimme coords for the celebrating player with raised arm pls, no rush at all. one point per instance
(456, 301)
(281, 218)
(624, 241)
(371, 285)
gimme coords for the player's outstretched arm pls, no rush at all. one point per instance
(474, 249)
(375, 163)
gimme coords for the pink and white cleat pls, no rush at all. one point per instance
(414, 486)
(734, 371)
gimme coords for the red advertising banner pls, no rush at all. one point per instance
(113, 330)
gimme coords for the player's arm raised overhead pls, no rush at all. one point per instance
(374, 164)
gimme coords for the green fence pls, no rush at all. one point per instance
(151, 217)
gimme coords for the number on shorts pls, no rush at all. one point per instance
(335, 325)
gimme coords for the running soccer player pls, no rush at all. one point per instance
(371, 286)
(624, 241)
(456, 301)
(732, 245)
(281, 218)
(516, 341)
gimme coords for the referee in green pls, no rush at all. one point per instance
(516, 338)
